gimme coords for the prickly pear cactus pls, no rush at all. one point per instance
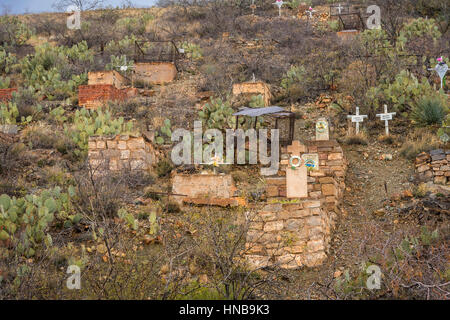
(25, 222)
(88, 123)
(164, 133)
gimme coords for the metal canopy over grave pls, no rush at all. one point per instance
(272, 111)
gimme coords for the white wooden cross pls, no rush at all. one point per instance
(386, 116)
(357, 118)
(279, 3)
(441, 68)
(310, 11)
(253, 7)
(339, 8)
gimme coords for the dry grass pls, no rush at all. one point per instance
(419, 141)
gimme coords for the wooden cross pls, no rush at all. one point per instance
(279, 3)
(339, 8)
(386, 116)
(357, 118)
(253, 7)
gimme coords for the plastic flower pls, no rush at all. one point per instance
(215, 161)
(440, 59)
(310, 9)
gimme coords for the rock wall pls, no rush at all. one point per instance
(295, 232)
(6, 94)
(121, 152)
(94, 96)
(289, 235)
(207, 186)
(434, 166)
(327, 183)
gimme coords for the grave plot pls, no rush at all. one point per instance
(434, 166)
(122, 152)
(205, 189)
(249, 89)
(154, 72)
(350, 19)
(155, 62)
(94, 96)
(6, 94)
(294, 228)
(104, 86)
(107, 77)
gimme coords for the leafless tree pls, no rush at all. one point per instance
(83, 5)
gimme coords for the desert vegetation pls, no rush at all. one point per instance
(125, 232)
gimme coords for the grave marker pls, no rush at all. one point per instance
(441, 69)
(310, 11)
(340, 8)
(253, 7)
(279, 4)
(357, 118)
(386, 116)
(297, 172)
(311, 161)
(322, 130)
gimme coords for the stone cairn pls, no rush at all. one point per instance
(434, 166)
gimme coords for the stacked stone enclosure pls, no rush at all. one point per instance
(327, 183)
(155, 72)
(434, 166)
(121, 152)
(295, 232)
(205, 189)
(94, 96)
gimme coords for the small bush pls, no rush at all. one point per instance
(421, 191)
(26, 101)
(419, 142)
(239, 176)
(386, 139)
(356, 139)
(173, 207)
(428, 111)
(163, 168)
(40, 136)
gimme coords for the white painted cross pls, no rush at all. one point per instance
(340, 8)
(386, 116)
(279, 3)
(441, 68)
(310, 11)
(253, 7)
(357, 118)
